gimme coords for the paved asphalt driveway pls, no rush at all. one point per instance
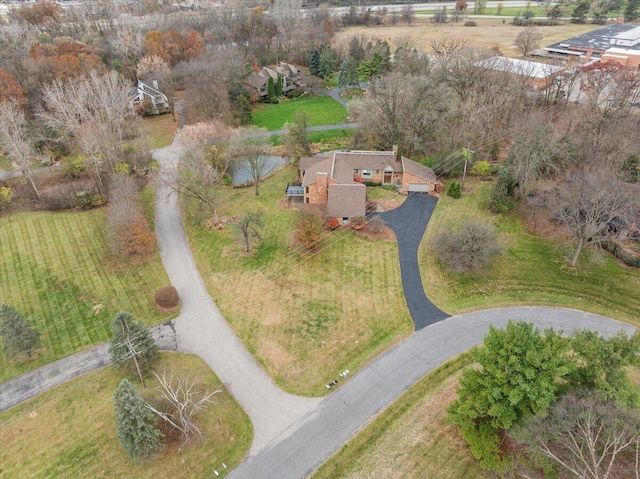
(408, 222)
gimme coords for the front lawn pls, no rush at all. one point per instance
(160, 129)
(70, 431)
(56, 269)
(304, 318)
(532, 271)
(322, 110)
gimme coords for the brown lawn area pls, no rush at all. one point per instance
(490, 33)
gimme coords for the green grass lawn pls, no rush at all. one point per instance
(56, 269)
(533, 270)
(322, 110)
(159, 130)
(304, 318)
(70, 431)
(410, 439)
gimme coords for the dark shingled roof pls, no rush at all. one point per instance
(598, 39)
(346, 201)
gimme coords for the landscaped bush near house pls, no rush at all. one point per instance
(167, 297)
(481, 168)
(471, 23)
(333, 223)
(454, 189)
(358, 223)
(309, 228)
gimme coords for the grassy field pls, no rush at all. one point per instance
(533, 270)
(160, 130)
(322, 110)
(489, 33)
(56, 269)
(304, 318)
(70, 431)
(410, 439)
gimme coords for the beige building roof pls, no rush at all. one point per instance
(370, 160)
(323, 166)
(419, 170)
(346, 201)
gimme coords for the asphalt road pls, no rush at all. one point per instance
(344, 412)
(408, 222)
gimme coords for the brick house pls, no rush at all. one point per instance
(336, 180)
(258, 82)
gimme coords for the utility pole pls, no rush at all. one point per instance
(132, 350)
(467, 153)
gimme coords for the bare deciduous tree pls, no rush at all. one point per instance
(15, 141)
(587, 437)
(128, 231)
(199, 176)
(591, 205)
(287, 16)
(297, 139)
(528, 40)
(249, 227)
(447, 45)
(185, 401)
(95, 110)
(249, 150)
(536, 152)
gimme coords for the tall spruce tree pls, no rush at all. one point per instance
(135, 423)
(132, 347)
(314, 62)
(19, 338)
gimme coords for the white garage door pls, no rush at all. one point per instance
(419, 187)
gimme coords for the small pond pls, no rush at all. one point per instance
(240, 171)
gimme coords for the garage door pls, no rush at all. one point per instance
(418, 187)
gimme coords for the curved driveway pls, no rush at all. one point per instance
(294, 435)
(408, 222)
(202, 330)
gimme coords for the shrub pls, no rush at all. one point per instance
(481, 168)
(502, 193)
(358, 223)
(6, 196)
(454, 189)
(472, 246)
(167, 297)
(471, 23)
(333, 223)
(75, 168)
(309, 228)
(372, 183)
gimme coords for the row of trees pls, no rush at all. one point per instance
(567, 400)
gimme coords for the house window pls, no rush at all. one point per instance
(366, 174)
(377, 172)
(345, 221)
(306, 200)
(355, 171)
(307, 190)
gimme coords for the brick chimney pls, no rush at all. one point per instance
(395, 152)
(322, 186)
(589, 53)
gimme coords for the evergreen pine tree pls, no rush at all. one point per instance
(632, 10)
(135, 423)
(19, 338)
(278, 85)
(132, 347)
(271, 89)
(314, 63)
